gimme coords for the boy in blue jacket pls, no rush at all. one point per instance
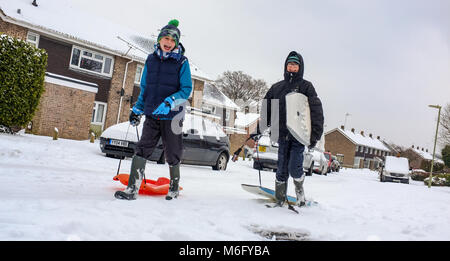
(165, 85)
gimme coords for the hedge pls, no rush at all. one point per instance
(22, 73)
(439, 180)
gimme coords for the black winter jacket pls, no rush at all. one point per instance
(294, 82)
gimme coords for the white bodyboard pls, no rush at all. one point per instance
(298, 117)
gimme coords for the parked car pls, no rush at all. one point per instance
(320, 163)
(265, 155)
(204, 142)
(335, 165)
(395, 169)
(329, 160)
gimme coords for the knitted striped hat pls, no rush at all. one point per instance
(171, 29)
(293, 59)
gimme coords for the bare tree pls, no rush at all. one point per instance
(444, 132)
(240, 86)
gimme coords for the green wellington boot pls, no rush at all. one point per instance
(174, 182)
(301, 200)
(135, 180)
(280, 192)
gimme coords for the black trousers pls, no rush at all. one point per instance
(290, 158)
(172, 140)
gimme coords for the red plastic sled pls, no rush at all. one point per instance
(148, 187)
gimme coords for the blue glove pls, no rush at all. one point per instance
(165, 107)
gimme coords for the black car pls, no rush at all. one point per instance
(204, 143)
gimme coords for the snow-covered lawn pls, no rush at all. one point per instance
(63, 190)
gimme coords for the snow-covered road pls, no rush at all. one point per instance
(63, 190)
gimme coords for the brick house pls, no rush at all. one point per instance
(247, 121)
(94, 66)
(417, 156)
(356, 150)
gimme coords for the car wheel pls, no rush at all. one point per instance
(162, 159)
(221, 163)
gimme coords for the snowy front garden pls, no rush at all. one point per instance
(63, 190)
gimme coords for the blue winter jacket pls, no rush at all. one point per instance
(164, 75)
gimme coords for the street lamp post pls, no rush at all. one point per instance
(435, 138)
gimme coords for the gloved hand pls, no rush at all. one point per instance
(312, 144)
(254, 136)
(135, 118)
(165, 107)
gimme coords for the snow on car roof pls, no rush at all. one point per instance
(202, 126)
(397, 165)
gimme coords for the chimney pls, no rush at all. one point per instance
(370, 135)
(362, 133)
(19, 11)
(378, 137)
(34, 3)
(342, 127)
(353, 130)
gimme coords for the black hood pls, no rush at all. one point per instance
(296, 76)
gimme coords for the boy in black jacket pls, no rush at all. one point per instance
(290, 151)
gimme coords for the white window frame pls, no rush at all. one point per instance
(227, 114)
(93, 53)
(137, 80)
(95, 109)
(35, 43)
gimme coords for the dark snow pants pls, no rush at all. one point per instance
(172, 141)
(290, 158)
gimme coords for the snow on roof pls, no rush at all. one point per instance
(245, 119)
(359, 139)
(213, 96)
(427, 155)
(64, 19)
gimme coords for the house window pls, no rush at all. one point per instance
(357, 148)
(227, 115)
(138, 76)
(367, 149)
(91, 61)
(33, 39)
(99, 113)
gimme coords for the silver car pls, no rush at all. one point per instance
(265, 155)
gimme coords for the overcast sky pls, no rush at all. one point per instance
(381, 61)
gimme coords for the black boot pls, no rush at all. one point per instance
(174, 182)
(280, 192)
(301, 201)
(134, 182)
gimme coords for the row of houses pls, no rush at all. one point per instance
(359, 150)
(94, 69)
